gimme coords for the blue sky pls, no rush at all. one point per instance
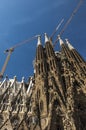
(22, 19)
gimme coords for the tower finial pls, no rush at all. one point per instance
(60, 40)
(46, 38)
(69, 45)
(39, 40)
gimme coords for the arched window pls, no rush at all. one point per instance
(64, 82)
(41, 106)
(1, 119)
(42, 67)
(38, 54)
(48, 51)
(59, 128)
(38, 94)
(39, 68)
(48, 69)
(41, 55)
(51, 65)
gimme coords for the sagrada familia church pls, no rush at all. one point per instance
(54, 98)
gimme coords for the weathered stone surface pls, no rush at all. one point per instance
(53, 99)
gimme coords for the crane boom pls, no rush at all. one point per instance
(9, 51)
(6, 62)
(57, 28)
(25, 41)
(69, 20)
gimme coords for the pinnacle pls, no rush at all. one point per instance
(69, 45)
(39, 40)
(46, 38)
(60, 40)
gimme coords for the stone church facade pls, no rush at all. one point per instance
(54, 98)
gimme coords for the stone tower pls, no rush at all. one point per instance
(54, 97)
(59, 95)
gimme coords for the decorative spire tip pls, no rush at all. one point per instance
(60, 40)
(39, 40)
(46, 37)
(68, 44)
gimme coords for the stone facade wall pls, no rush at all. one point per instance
(54, 98)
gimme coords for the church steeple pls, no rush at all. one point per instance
(48, 46)
(53, 66)
(74, 52)
(50, 55)
(40, 67)
(76, 56)
(64, 49)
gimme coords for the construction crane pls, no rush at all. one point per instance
(69, 20)
(9, 51)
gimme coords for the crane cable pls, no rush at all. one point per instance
(56, 29)
(69, 20)
(21, 43)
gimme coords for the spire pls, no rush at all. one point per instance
(69, 45)
(60, 40)
(39, 40)
(23, 79)
(46, 38)
(34, 71)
